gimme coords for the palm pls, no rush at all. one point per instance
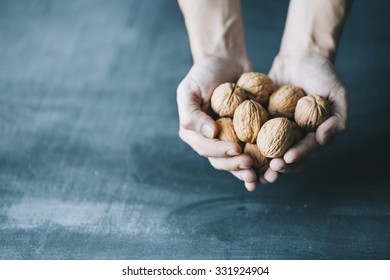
(316, 75)
(198, 129)
(313, 73)
(210, 72)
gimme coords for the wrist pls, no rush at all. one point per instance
(223, 46)
(220, 49)
(309, 45)
(214, 28)
(314, 27)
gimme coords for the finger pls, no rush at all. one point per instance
(279, 165)
(338, 122)
(209, 147)
(339, 99)
(327, 131)
(273, 73)
(270, 176)
(233, 163)
(250, 186)
(263, 181)
(303, 149)
(248, 176)
(295, 167)
(191, 116)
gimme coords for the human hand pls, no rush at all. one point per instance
(198, 129)
(315, 74)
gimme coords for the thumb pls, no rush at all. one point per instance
(192, 117)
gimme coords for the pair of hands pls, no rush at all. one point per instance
(314, 73)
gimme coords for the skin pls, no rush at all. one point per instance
(305, 59)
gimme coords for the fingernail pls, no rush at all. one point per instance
(232, 153)
(207, 131)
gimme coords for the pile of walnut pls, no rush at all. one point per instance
(266, 123)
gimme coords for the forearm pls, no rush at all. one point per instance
(314, 26)
(214, 28)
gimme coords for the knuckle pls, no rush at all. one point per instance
(234, 167)
(294, 156)
(249, 177)
(184, 88)
(181, 134)
(247, 160)
(181, 89)
(214, 164)
(235, 174)
(200, 152)
(271, 176)
(343, 126)
(186, 122)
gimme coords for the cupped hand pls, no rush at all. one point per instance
(315, 74)
(197, 127)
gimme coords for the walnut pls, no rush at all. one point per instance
(260, 162)
(248, 119)
(226, 130)
(282, 102)
(275, 137)
(257, 86)
(297, 132)
(311, 112)
(225, 99)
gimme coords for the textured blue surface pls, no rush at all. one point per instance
(91, 166)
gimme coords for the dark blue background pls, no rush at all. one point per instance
(91, 166)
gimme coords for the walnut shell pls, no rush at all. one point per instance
(260, 162)
(297, 132)
(248, 119)
(275, 137)
(225, 99)
(257, 86)
(282, 102)
(311, 112)
(226, 130)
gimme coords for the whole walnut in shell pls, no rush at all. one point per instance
(257, 86)
(248, 119)
(226, 130)
(275, 137)
(225, 99)
(260, 162)
(311, 112)
(282, 102)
